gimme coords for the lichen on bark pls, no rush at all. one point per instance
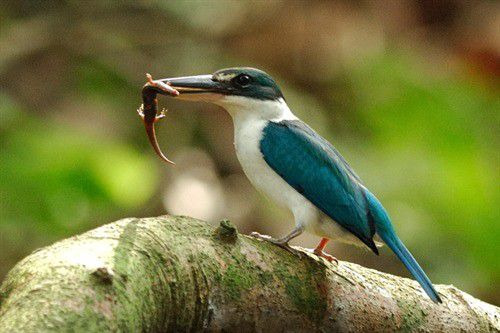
(175, 274)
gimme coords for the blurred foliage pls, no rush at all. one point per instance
(406, 90)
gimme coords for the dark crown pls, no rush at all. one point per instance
(248, 82)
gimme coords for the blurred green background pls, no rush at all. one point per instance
(408, 91)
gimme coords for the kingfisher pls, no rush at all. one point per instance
(296, 167)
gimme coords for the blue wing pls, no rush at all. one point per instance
(313, 167)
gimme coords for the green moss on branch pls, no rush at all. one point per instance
(173, 274)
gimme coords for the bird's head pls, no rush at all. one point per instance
(238, 90)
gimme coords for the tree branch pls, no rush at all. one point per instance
(169, 274)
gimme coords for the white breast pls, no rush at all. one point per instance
(247, 136)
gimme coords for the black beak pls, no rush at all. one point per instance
(194, 84)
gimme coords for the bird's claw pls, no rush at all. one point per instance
(260, 236)
(324, 255)
(278, 242)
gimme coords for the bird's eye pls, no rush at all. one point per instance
(243, 80)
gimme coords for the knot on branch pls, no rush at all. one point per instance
(104, 275)
(227, 231)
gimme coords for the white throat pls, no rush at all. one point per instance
(244, 109)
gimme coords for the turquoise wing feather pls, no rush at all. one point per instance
(309, 164)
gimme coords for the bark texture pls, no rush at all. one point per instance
(177, 274)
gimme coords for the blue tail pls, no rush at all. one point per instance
(385, 230)
(405, 256)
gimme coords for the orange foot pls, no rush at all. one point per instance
(325, 255)
(319, 251)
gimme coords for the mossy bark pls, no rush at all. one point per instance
(177, 274)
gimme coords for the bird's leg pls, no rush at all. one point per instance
(319, 251)
(283, 242)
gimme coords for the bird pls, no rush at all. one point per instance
(296, 167)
